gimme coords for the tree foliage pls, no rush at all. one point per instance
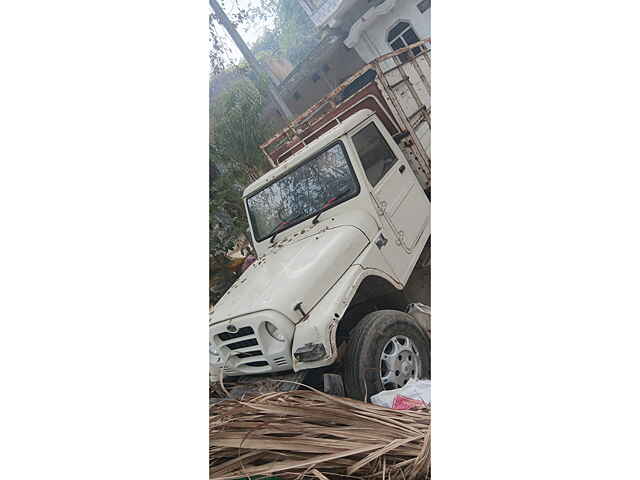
(289, 33)
(236, 159)
(219, 51)
(234, 154)
(239, 130)
(293, 34)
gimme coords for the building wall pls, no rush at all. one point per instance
(323, 11)
(372, 40)
(328, 71)
(323, 77)
(272, 117)
(280, 67)
(325, 70)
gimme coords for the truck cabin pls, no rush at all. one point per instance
(326, 175)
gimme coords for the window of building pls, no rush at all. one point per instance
(296, 96)
(315, 77)
(375, 154)
(358, 84)
(424, 5)
(403, 35)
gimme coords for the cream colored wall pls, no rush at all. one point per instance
(373, 40)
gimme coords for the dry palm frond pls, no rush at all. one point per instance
(311, 435)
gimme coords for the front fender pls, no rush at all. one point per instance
(321, 324)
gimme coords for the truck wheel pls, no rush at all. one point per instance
(386, 349)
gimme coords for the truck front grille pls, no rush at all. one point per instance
(240, 345)
(252, 353)
(243, 332)
(246, 352)
(261, 363)
(252, 342)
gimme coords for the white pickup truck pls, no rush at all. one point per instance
(338, 226)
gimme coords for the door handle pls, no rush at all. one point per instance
(402, 168)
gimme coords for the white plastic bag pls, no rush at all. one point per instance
(416, 393)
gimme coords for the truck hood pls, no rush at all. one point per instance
(293, 271)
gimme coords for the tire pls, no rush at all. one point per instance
(364, 364)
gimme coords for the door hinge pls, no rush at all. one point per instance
(382, 207)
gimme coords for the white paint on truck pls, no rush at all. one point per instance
(349, 205)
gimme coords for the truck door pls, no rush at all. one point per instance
(402, 205)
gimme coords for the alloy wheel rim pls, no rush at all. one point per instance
(399, 362)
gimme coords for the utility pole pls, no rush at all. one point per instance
(251, 59)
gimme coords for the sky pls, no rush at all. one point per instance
(250, 35)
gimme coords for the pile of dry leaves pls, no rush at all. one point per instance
(307, 434)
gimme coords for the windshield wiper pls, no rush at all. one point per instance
(282, 224)
(329, 203)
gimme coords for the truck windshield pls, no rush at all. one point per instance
(325, 180)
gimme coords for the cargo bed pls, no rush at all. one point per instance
(396, 86)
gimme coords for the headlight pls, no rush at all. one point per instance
(273, 331)
(310, 352)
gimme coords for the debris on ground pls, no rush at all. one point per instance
(307, 434)
(415, 394)
(251, 385)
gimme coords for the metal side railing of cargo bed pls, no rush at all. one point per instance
(405, 77)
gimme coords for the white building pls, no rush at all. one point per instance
(354, 32)
(373, 27)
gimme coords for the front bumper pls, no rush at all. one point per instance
(246, 348)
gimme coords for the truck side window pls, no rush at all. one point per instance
(376, 156)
